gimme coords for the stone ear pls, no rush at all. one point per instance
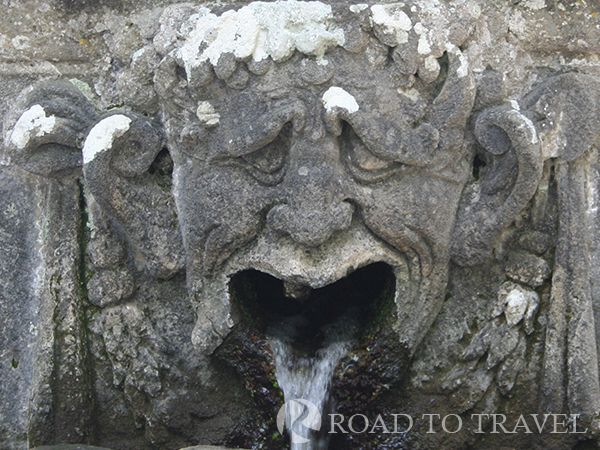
(46, 129)
(506, 184)
(128, 173)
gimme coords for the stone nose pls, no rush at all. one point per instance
(314, 205)
(310, 224)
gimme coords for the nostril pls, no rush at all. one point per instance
(311, 225)
(276, 217)
(343, 216)
(344, 213)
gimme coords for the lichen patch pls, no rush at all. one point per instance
(102, 136)
(260, 30)
(32, 123)
(207, 114)
(392, 20)
(336, 97)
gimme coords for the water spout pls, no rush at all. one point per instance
(309, 332)
(305, 376)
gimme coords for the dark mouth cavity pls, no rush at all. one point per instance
(360, 297)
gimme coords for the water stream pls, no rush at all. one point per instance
(310, 331)
(304, 372)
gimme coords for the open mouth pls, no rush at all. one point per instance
(358, 299)
(325, 345)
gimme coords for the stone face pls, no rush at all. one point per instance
(159, 152)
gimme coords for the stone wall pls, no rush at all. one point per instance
(156, 155)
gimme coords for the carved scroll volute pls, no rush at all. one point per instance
(117, 156)
(44, 135)
(566, 111)
(48, 125)
(511, 140)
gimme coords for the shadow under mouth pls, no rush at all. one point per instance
(360, 298)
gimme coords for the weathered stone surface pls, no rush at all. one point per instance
(204, 447)
(527, 269)
(535, 242)
(160, 157)
(108, 287)
(18, 303)
(91, 447)
(69, 447)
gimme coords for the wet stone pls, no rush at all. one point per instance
(69, 447)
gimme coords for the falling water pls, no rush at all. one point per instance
(305, 374)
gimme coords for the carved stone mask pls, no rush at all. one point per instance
(305, 146)
(314, 166)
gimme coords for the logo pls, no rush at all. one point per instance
(301, 417)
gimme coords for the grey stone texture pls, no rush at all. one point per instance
(154, 151)
(69, 447)
(92, 447)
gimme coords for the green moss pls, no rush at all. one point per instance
(249, 317)
(381, 312)
(115, 106)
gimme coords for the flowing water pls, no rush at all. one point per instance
(304, 373)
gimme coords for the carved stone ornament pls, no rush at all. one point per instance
(432, 165)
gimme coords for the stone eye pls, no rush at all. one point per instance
(365, 166)
(267, 164)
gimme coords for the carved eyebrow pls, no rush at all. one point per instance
(276, 94)
(394, 140)
(251, 136)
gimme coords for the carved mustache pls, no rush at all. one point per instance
(222, 242)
